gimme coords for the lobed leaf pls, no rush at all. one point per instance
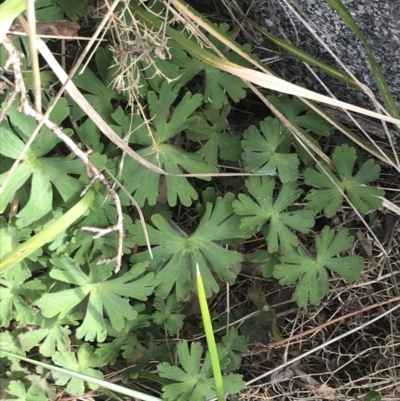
(311, 273)
(105, 295)
(176, 255)
(264, 214)
(329, 198)
(269, 152)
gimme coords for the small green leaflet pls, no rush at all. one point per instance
(329, 198)
(74, 9)
(110, 295)
(17, 389)
(264, 214)
(372, 396)
(167, 314)
(175, 256)
(269, 153)
(84, 247)
(10, 343)
(194, 381)
(82, 362)
(234, 342)
(311, 274)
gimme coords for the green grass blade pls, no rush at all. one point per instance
(381, 82)
(50, 232)
(101, 383)
(212, 346)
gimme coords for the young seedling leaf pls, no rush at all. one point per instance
(175, 255)
(264, 213)
(311, 273)
(269, 152)
(364, 198)
(267, 260)
(218, 84)
(100, 91)
(167, 314)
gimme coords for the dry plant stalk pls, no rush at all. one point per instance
(94, 174)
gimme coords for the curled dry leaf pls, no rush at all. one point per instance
(56, 28)
(324, 391)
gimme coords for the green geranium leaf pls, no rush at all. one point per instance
(45, 172)
(267, 259)
(175, 255)
(269, 152)
(82, 362)
(84, 247)
(167, 314)
(299, 114)
(73, 8)
(306, 120)
(364, 198)
(11, 237)
(194, 381)
(109, 295)
(100, 91)
(234, 342)
(54, 331)
(17, 389)
(165, 126)
(372, 396)
(125, 340)
(9, 343)
(218, 84)
(15, 294)
(311, 273)
(179, 68)
(263, 213)
(210, 128)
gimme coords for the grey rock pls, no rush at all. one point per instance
(378, 20)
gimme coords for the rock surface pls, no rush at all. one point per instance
(378, 20)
